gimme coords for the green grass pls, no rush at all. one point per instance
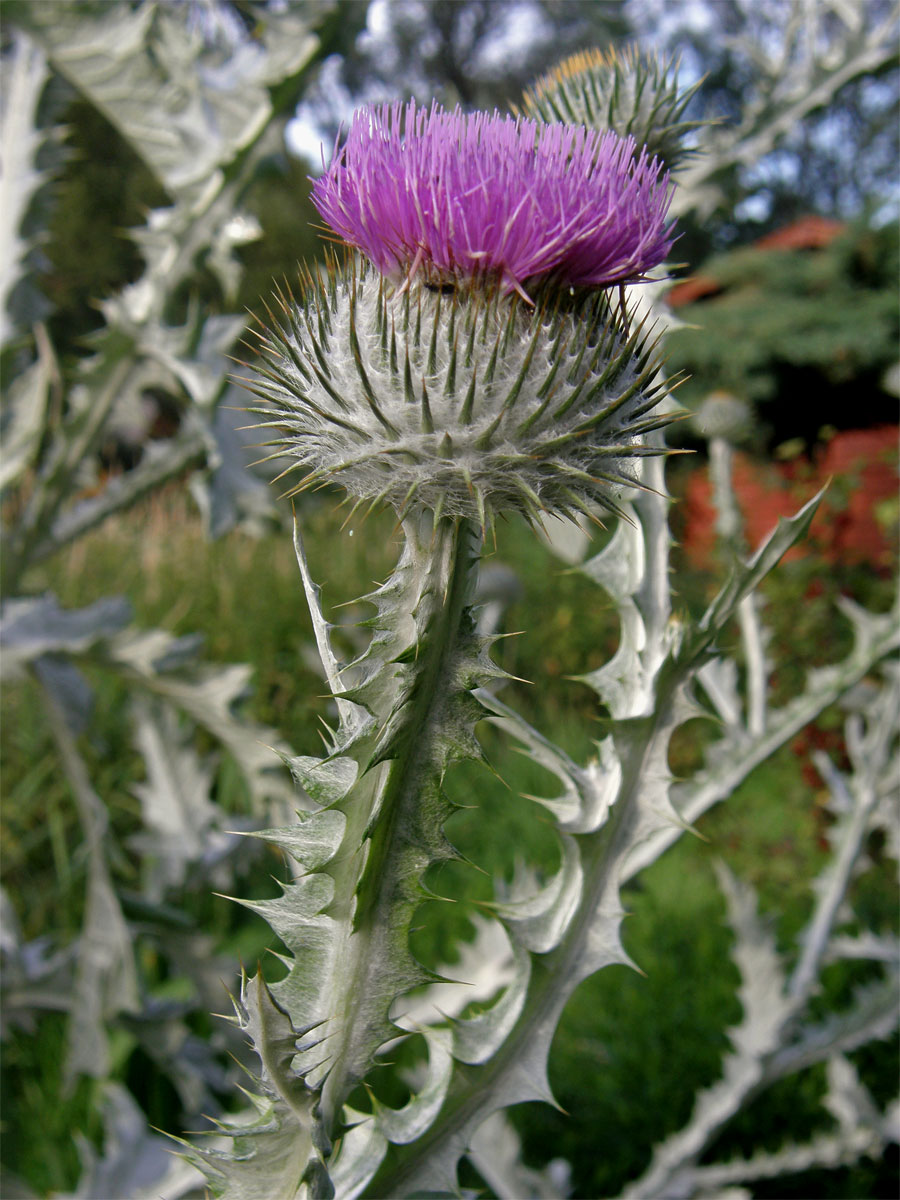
(39, 1116)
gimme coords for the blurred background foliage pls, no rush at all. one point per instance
(816, 320)
(804, 335)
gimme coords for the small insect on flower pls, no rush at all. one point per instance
(483, 197)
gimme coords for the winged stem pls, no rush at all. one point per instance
(398, 806)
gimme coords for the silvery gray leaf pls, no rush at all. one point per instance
(231, 493)
(182, 826)
(105, 978)
(185, 107)
(22, 418)
(23, 78)
(797, 68)
(160, 462)
(136, 1163)
(36, 625)
(496, 1151)
(73, 692)
(34, 977)
(208, 695)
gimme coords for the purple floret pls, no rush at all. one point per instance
(479, 195)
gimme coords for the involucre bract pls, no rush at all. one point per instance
(463, 400)
(630, 92)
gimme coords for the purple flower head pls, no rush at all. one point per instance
(465, 196)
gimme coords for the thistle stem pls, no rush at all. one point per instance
(423, 643)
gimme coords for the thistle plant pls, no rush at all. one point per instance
(481, 355)
(478, 362)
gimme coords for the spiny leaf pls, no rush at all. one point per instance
(23, 79)
(787, 533)
(142, 71)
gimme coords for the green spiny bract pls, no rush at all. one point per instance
(466, 402)
(633, 93)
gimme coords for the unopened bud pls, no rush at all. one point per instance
(632, 93)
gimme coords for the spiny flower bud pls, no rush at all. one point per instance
(491, 198)
(467, 402)
(722, 415)
(630, 92)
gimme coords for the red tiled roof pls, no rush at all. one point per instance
(693, 288)
(809, 233)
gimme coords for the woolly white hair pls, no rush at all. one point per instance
(467, 402)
